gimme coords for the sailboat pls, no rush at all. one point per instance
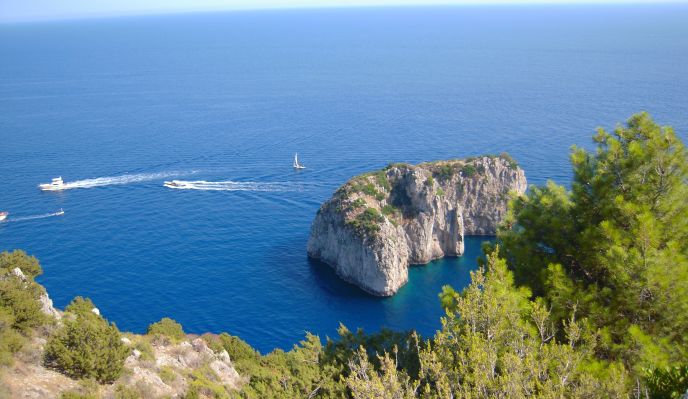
(297, 165)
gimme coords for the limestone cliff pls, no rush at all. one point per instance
(377, 224)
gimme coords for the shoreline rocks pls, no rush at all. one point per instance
(379, 223)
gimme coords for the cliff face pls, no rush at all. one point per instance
(377, 224)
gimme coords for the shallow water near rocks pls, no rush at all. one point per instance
(225, 100)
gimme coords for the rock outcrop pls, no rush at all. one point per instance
(378, 224)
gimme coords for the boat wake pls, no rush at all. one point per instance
(119, 180)
(231, 186)
(34, 217)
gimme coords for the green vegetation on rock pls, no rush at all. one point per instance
(367, 222)
(86, 346)
(166, 328)
(20, 308)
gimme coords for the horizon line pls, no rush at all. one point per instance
(363, 5)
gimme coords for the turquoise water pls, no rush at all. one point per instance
(231, 97)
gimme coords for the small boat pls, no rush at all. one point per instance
(173, 184)
(55, 185)
(3, 215)
(297, 165)
(60, 212)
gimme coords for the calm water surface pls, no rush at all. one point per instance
(231, 97)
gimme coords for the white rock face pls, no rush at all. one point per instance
(376, 225)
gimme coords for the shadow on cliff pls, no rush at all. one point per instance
(328, 281)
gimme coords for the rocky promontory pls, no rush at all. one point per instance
(379, 223)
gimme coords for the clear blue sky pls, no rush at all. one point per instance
(32, 10)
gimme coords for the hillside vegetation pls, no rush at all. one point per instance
(584, 295)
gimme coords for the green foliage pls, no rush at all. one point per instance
(512, 162)
(367, 222)
(468, 170)
(614, 249)
(440, 192)
(494, 342)
(20, 299)
(430, 181)
(382, 180)
(668, 382)
(77, 395)
(445, 171)
(20, 308)
(206, 384)
(11, 341)
(358, 203)
(167, 328)
(124, 392)
(390, 210)
(167, 374)
(18, 258)
(86, 346)
(146, 350)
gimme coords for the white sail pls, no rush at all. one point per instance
(296, 162)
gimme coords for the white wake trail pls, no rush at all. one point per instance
(34, 217)
(119, 180)
(232, 186)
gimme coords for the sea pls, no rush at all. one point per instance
(223, 101)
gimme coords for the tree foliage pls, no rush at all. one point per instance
(167, 328)
(614, 248)
(20, 308)
(86, 346)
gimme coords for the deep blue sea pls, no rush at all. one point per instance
(226, 100)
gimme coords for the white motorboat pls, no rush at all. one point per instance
(297, 165)
(3, 215)
(60, 212)
(55, 185)
(173, 184)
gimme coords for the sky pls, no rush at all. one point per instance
(37, 10)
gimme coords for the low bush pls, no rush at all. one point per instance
(430, 181)
(382, 180)
(368, 222)
(167, 328)
(512, 162)
(86, 346)
(18, 258)
(445, 171)
(468, 170)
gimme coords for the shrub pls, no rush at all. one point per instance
(382, 180)
(86, 346)
(20, 299)
(10, 340)
(237, 349)
(204, 383)
(445, 171)
(389, 210)
(430, 181)
(468, 170)
(146, 350)
(168, 328)
(440, 192)
(359, 203)
(18, 258)
(369, 189)
(367, 222)
(669, 382)
(512, 162)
